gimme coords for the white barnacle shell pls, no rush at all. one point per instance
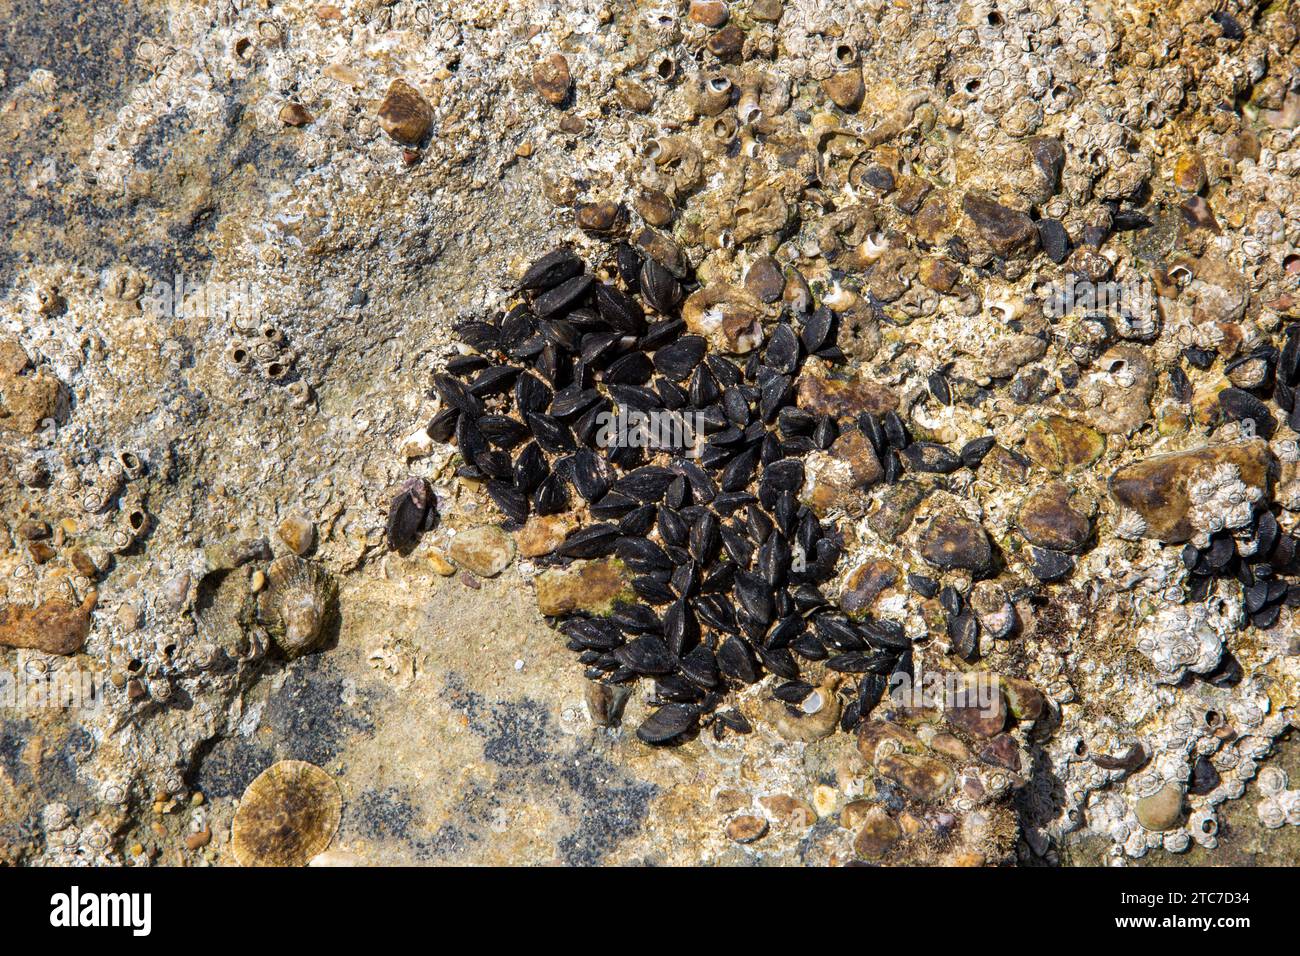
(873, 247)
(1271, 814)
(56, 817)
(1272, 781)
(1131, 526)
(1288, 450)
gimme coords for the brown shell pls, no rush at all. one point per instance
(287, 815)
(404, 114)
(299, 601)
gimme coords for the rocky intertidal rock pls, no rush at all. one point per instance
(1159, 488)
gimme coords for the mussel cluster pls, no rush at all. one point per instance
(727, 561)
(1259, 554)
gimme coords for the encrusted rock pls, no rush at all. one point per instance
(1047, 519)
(865, 583)
(896, 509)
(729, 317)
(53, 627)
(1011, 234)
(746, 828)
(926, 778)
(591, 586)
(977, 706)
(552, 78)
(877, 835)
(485, 550)
(834, 479)
(1157, 488)
(842, 398)
(404, 114)
(1062, 445)
(28, 398)
(542, 534)
(815, 717)
(955, 541)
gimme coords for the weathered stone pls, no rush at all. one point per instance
(1162, 810)
(950, 746)
(954, 541)
(633, 95)
(599, 218)
(27, 400)
(835, 479)
(1011, 234)
(1156, 488)
(54, 627)
(938, 274)
(1002, 751)
(896, 509)
(709, 13)
(727, 43)
(977, 705)
(654, 206)
(1047, 519)
(782, 806)
(1002, 355)
(404, 114)
(934, 220)
(552, 79)
(746, 828)
(878, 835)
(1024, 700)
(865, 583)
(591, 586)
(842, 398)
(1005, 466)
(1061, 445)
(910, 192)
(485, 550)
(926, 778)
(542, 534)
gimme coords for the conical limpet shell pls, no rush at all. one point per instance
(299, 600)
(287, 815)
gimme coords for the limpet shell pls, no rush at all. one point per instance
(288, 815)
(299, 601)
